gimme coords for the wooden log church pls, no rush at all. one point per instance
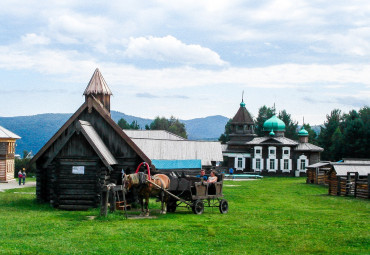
(90, 150)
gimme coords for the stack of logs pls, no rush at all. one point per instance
(350, 185)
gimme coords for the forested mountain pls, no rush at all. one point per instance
(36, 130)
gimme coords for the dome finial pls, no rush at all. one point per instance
(242, 104)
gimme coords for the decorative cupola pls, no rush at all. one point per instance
(303, 135)
(274, 126)
(99, 89)
(242, 125)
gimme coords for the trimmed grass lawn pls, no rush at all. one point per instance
(269, 216)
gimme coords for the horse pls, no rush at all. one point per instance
(146, 189)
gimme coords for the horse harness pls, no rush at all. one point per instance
(162, 183)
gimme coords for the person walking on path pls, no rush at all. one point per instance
(20, 176)
(24, 176)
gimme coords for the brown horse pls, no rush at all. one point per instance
(146, 189)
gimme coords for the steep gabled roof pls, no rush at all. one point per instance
(319, 164)
(5, 133)
(242, 116)
(343, 168)
(308, 147)
(272, 140)
(97, 144)
(152, 134)
(97, 85)
(91, 103)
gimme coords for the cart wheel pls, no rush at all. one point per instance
(171, 206)
(224, 206)
(198, 207)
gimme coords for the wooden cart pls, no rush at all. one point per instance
(188, 191)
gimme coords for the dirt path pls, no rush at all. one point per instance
(15, 185)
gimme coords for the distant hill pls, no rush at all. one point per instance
(36, 130)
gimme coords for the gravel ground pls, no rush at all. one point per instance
(15, 185)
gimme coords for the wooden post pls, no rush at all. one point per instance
(104, 202)
(348, 180)
(338, 186)
(368, 185)
(356, 179)
(112, 196)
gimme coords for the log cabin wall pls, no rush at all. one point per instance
(333, 183)
(350, 185)
(311, 176)
(55, 182)
(363, 187)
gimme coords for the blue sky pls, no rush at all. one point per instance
(186, 58)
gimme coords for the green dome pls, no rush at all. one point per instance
(242, 104)
(272, 133)
(274, 124)
(303, 132)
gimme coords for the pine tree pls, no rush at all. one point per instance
(336, 149)
(312, 136)
(225, 137)
(353, 135)
(172, 125)
(264, 113)
(325, 138)
(290, 125)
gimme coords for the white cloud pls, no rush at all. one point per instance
(35, 39)
(170, 49)
(275, 76)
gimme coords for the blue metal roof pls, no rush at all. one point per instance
(177, 164)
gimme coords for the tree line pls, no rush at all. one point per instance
(172, 125)
(343, 135)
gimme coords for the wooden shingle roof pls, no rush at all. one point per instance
(242, 116)
(93, 103)
(97, 85)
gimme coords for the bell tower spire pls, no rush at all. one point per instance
(99, 89)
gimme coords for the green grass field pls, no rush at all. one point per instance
(269, 216)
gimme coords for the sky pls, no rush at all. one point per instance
(189, 59)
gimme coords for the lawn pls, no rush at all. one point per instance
(269, 216)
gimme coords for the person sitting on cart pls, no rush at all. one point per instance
(202, 175)
(212, 178)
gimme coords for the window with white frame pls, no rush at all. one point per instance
(258, 151)
(286, 152)
(302, 162)
(258, 164)
(272, 152)
(286, 164)
(272, 164)
(240, 162)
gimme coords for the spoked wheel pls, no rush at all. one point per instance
(224, 206)
(171, 206)
(198, 207)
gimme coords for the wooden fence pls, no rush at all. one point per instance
(350, 185)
